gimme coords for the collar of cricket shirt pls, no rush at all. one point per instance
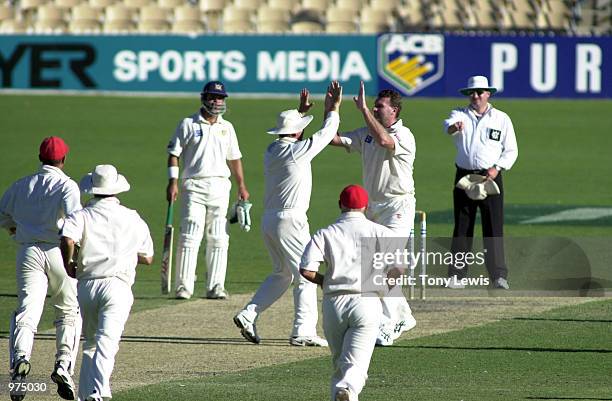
(352, 215)
(202, 120)
(104, 201)
(51, 169)
(395, 127)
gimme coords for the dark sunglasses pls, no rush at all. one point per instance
(478, 91)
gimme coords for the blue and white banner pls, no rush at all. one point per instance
(416, 64)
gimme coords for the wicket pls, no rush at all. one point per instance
(422, 250)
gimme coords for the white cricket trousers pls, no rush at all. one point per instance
(203, 211)
(396, 214)
(40, 270)
(351, 324)
(105, 305)
(286, 234)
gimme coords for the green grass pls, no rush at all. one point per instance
(563, 160)
(565, 353)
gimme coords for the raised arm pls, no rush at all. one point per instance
(379, 133)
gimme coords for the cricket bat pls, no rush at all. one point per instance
(166, 261)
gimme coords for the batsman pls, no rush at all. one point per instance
(207, 145)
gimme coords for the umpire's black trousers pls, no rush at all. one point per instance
(492, 217)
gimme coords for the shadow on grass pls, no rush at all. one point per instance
(273, 342)
(529, 349)
(564, 320)
(568, 398)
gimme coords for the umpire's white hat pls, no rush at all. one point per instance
(104, 180)
(477, 187)
(290, 122)
(477, 82)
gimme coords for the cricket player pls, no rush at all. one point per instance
(208, 147)
(113, 240)
(387, 150)
(351, 314)
(288, 184)
(33, 210)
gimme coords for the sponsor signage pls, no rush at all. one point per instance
(416, 64)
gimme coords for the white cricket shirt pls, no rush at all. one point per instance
(204, 148)
(38, 203)
(111, 236)
(387, 173)
(483, 142)
(339, 246)
(287, 169)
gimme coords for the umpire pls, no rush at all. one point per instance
(486, 145)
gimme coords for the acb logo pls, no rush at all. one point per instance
(411, 62)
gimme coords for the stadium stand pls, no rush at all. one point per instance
(565, 17)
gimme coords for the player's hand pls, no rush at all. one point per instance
(243, 193)
(71, 269)
(360, 100)
(305, 103)
(333, 97)
(456, 127)
(492, 173)
(172, 190)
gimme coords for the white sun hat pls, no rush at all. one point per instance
(290, 122)
(477, 82)
(104, 180)
(477, 187)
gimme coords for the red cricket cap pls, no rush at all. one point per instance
(354, 197)
(53, 148)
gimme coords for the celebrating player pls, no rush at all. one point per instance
(113, 240)
(351, 312)
(387, 150)
(285, 224)
(32, 210)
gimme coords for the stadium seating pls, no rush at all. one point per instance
(569, 17)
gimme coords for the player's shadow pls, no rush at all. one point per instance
(274, 342)
(528, 349)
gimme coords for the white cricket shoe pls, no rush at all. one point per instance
(65, 384)
(182, 293)
(21, 369)
(385, 337)
(455, 283)
(247, 328)
(403, 325)
(344, 394)
(308, 341)
(217, 292)
(501, 283)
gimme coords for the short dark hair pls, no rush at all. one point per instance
(53, 163)
(395, 98)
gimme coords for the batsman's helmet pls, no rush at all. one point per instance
(214, 88)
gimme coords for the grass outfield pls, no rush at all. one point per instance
(510, 360)
(563, 162)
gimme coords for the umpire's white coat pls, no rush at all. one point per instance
(285, 228)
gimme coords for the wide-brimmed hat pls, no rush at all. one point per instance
(477, 82)
(477, 187)
(290, 122)
(104, 180)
